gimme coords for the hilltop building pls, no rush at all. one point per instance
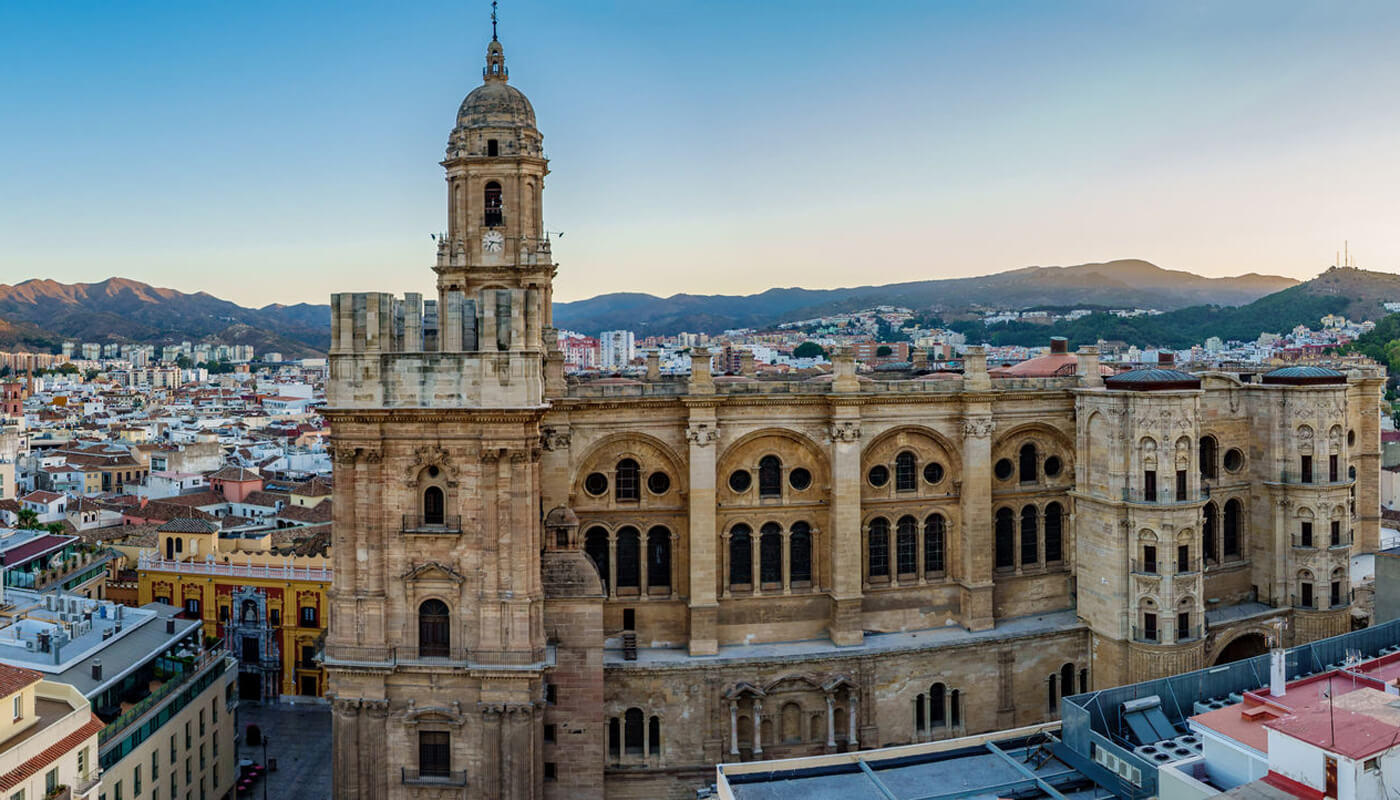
(558, 588)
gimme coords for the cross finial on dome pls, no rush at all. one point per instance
(493, 20)
(495, 69)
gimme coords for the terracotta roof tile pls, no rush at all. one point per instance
(50, 754)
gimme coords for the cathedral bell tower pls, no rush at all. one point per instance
(436, 654)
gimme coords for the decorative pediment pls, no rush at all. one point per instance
(449, 715)
(792, 682)
(433, 571)
(429, 455)
(742, 689)
(839, 681)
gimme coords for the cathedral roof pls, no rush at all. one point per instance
(1152, 379)
(1303, 376)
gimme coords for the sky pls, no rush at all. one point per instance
(279, 151)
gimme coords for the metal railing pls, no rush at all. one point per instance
(417, 523)
(416, 777)
(214, 655)
(1165, 496)
(151, 562)
(1316, 542)
(1161, 568)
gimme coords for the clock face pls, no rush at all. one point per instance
(493, 241)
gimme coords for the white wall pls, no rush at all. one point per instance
(1300, 761)
(1231, 763)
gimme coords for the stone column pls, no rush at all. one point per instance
(345, 747)
(854, 708)
(757, 727)
(977, 542)
(612, 565)
(787, 562)
(373, 734)
(702, 432)
(844, 540)
(734, 727)
(491, 779)
(830, 720)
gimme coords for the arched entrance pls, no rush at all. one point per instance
(1246, 646)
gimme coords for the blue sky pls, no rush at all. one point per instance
(279, 151)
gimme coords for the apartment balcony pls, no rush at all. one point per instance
(419, 524)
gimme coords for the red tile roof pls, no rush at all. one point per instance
(12, 679)
(50, 754)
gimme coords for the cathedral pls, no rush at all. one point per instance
(554, 588)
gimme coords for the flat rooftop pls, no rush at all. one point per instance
(973, 768)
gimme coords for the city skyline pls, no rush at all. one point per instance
(199, 148)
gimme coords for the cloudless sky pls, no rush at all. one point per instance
(278, 151)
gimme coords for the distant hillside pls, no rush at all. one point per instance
(1354, 293)
(1128, 282)
(40, 314)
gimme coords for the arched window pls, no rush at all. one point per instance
(1208, 458)
(905, 477)
(906, 546)
(654, 736)
(633, 730)
(614, 737)
(935, 530)
(170, 548)
(1028, 464)
(1231, 539)
(492, 216)
(1030, 536)
(1208, 523)
(919, 714)
(629, 480)
(878, 548)
(937, 706)
(1067, 679)
(595, 544)
(1005, 539)
(800, 553)
(770, 553)
(1054, 534)
(740, 555)
(179, 545)
(770, 476)
(434, 629)
(629, 562)
(659, 556)
(433, 506)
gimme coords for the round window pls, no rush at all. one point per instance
(1234, 459)
(659, 483)
(879, 475)
(596, 483)
(933, 472)
(1053, 465)
(432, 472)
(799, 479)
(1003, 469)
(739, 480)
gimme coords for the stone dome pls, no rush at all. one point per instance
(1305, 375)
(1152, 379)
(496, 104)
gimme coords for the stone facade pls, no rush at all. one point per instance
(554, 589)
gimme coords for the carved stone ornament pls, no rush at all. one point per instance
(845, 431)
(979, 428)
(702, 434)
(425, 570)
(555, 439)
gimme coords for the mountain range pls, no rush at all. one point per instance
(1127, 282)
(40, 314)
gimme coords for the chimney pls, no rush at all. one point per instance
(746, 363)
(170, 625)
(1278, 672)
(1166, 359)
(843, 371)
(975, 375)
(653, 365)
(701, 382)
(919, 357)
(1059, 345)
(1088, 366)
(96, 669)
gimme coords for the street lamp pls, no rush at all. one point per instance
(266, 774)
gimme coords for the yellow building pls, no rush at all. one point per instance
(269, 608)
(48, 738)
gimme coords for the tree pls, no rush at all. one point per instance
(883, 351)
(28, 519)
(808, 350)
(55, 528)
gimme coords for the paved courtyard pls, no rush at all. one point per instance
(299, 738)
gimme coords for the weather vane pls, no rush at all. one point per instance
(493, 20)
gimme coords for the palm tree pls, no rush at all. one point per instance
(28, 518)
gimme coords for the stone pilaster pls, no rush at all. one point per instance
(702, 433)
(976, 542)
(844, 537)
